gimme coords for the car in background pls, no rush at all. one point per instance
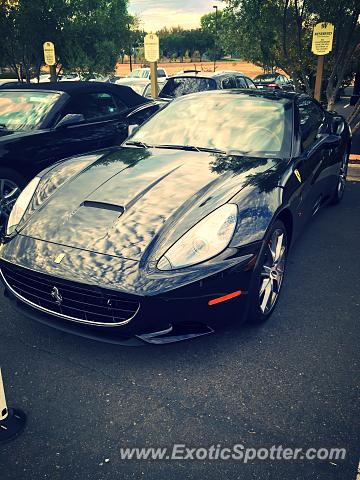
(275, 81)
(196, 81)
(95, 77)
(145, 73)
(7, 81)
(142, 86)
(188, 223)
(115, 78)
(42, 124)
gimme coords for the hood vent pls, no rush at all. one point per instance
(103, 206)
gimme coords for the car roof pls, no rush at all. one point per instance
(265, 75)
(202, 74)
(125, 93)
(252, 93)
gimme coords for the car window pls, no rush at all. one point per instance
(24, 110)
(161, 73)
(147, 91)
(250, 83)
(135, 73)
(177, 87)
(241, 83)
(94, 105)
(139, 117)
(311, 117)
(229, 82)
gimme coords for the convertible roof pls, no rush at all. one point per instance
(126, 94)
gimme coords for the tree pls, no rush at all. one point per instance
(88, 34)
(278, 33)
(176, 42)
(214, 25)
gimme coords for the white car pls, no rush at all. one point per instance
(145, 73)
(142, 86)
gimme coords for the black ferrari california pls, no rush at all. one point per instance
(190, 221)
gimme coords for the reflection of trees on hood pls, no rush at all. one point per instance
(129, 156)
(271, 169)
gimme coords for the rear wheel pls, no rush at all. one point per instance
(340, 187)
(268, 275)
(11, 184)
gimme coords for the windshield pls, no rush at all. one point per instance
(24, 110)
(176, 87)
(265, 78)
(227, 122)
(138, 88)
(140, 73)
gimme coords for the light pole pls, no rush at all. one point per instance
(215, 36)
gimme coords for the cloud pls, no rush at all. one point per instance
(155, 14)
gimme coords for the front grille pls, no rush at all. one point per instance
(76, 301)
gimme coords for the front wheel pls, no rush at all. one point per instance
(268, 274)
(11, 184)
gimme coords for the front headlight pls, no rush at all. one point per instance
(203, 241)
(21, 205)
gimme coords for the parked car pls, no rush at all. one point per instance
(191, 220)
(195, 81)
(274, 81)
(141, 86)
(41, 124)
(145, 73)
(115, 78)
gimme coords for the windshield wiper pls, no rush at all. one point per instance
(178, 147)
(138, 144)
(190, 148)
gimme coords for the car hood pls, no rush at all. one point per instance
(125, 199)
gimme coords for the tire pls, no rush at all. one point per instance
(268, 275)
(338, 194)
(11, 185)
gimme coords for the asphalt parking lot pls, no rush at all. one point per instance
(292, 382)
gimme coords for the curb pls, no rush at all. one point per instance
(353, 172)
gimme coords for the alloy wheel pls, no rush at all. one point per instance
(9, 192)
(272, 272)
(342, 176)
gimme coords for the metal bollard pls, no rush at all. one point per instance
(12, 421)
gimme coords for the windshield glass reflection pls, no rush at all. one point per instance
(227, 122)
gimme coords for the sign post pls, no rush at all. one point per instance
(12, 421)
(322, 41)
(50, 60)
(152, 55)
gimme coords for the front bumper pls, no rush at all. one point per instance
(164, 300)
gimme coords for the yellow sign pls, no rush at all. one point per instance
(49, 53)
(322, 40)
(151, 47)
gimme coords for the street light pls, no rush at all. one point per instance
(215, 36)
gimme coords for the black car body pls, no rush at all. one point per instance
(52, 121)
(198, 81)
(149, 237)
(275, 81)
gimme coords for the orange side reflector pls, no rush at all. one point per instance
(214, 301)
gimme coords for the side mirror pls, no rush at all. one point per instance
(70, 119)
(338, 125)
(132, 128)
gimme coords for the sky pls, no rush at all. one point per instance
(155, 14)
